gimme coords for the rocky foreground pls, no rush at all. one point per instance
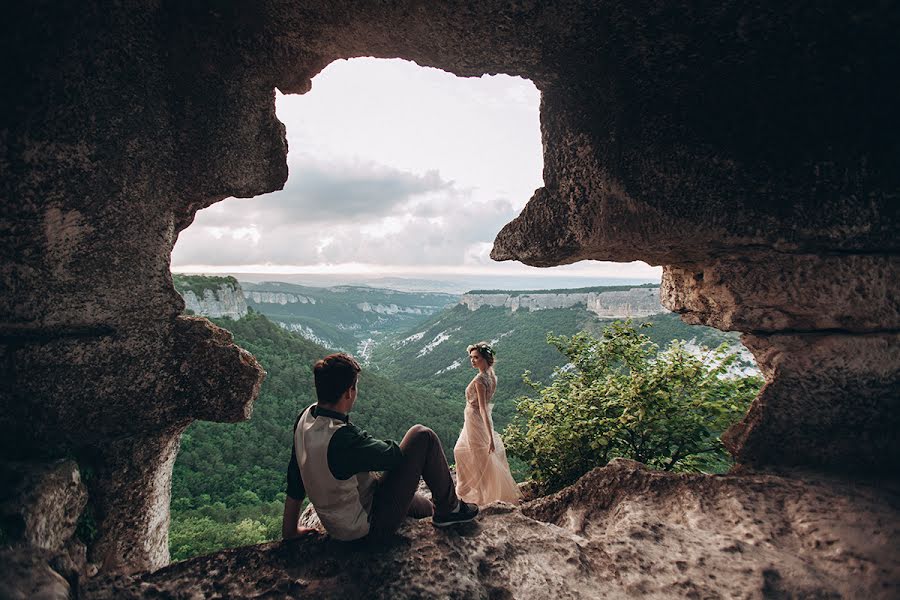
(621, 531)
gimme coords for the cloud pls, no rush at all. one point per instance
(338, 213)
(329, 194)
(363, 184)
(348, 193)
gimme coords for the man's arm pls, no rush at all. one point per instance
(290, 527)
(353, 451)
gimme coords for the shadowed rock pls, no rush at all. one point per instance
(40, 503)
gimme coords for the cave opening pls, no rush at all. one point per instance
(754, 145)
(397, 174)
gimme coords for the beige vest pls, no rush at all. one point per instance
(342, 506)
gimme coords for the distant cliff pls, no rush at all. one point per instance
(211, 296)
(281, 298)
(613, 304)
(393, 309)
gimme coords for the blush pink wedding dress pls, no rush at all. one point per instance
(482, 477)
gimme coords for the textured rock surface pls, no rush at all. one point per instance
(771, 293)
(839, 388)
(40, 503)
(130, 494)
(673, 133)
(622, 531)
(26, 574)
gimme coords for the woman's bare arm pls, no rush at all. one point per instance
(481, 393)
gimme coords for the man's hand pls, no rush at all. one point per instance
(290, 528)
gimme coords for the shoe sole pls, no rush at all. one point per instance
(449, 523)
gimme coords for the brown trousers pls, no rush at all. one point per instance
(396, 497)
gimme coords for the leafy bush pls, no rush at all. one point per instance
(620, 396)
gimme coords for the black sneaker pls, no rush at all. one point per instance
(466, 513)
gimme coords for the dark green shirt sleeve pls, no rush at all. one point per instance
(352, 450)
(295, 488)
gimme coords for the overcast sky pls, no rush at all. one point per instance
(394, 169)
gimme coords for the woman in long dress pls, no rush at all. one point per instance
(482, 471)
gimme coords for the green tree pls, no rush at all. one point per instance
(620, 396)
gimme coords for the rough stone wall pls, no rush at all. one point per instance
(723, 140)
(117, 124)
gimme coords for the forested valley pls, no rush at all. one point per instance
(229, 479)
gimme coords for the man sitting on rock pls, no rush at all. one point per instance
(333, 462)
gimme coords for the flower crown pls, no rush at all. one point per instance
(483, 347)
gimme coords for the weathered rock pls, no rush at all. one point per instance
(771, 292)
(743, 535)
(40, 503)
(26, 575)
(620, 531)
(71, 563)
(672, 133)
(830, 401)
(216, 380)
(130, 492)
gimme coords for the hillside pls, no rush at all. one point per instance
(434, 357)
(229, 480)
(349, 318)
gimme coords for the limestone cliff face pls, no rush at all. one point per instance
(393, 309)
(281, 298)
(226, 300)
(636, 302)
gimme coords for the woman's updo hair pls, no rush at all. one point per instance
(485, 350)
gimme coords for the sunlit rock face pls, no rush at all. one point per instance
(621, 531)
(226, 301)
(736, 141)
(619, 304)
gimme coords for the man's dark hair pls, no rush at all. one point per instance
(334, 375)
